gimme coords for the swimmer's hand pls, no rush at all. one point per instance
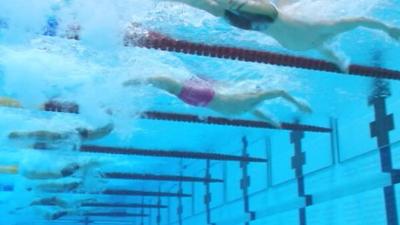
(394, 33)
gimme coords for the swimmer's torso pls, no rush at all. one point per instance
(298, 35)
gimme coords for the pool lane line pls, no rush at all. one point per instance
(141, 37)
(212, 120)
(123, 205)
(73, 108)
(169, 154)
(147, 177)
(115, 214)
(157, 177)
(155, 40)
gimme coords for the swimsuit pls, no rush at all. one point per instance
(250, 21)
(197, 92)
(69, 170)
(84, 133)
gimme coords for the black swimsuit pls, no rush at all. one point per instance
(248, 21)
(69, 170)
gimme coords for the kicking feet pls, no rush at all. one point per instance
(304, 107)
(394, 33)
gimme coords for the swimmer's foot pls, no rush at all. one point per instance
(304, 107)
(344, 66)
(261, 115)
(132, 82)
(275, 124)
(394, 33)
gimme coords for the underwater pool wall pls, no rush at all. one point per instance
(347, 176)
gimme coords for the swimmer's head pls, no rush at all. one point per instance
(13, 135)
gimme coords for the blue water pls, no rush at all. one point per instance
(336, 178)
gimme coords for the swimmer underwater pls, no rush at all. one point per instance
(201, 93)
(291, 32)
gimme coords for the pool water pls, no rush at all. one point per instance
(82, 148)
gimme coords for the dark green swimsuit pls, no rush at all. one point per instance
(249, 21)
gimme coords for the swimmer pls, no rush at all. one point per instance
(52, 214)
(57, 187)
(56, 202)
(199, 92)
(44, 139)
(52, 105)
(291, 32)
(56, 215)
(69, 170)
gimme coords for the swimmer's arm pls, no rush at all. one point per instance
(38, 134)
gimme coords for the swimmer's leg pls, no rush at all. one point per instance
(262, 116)
(345, 25)
(98, 133)
(332, 56)
(268, 95)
